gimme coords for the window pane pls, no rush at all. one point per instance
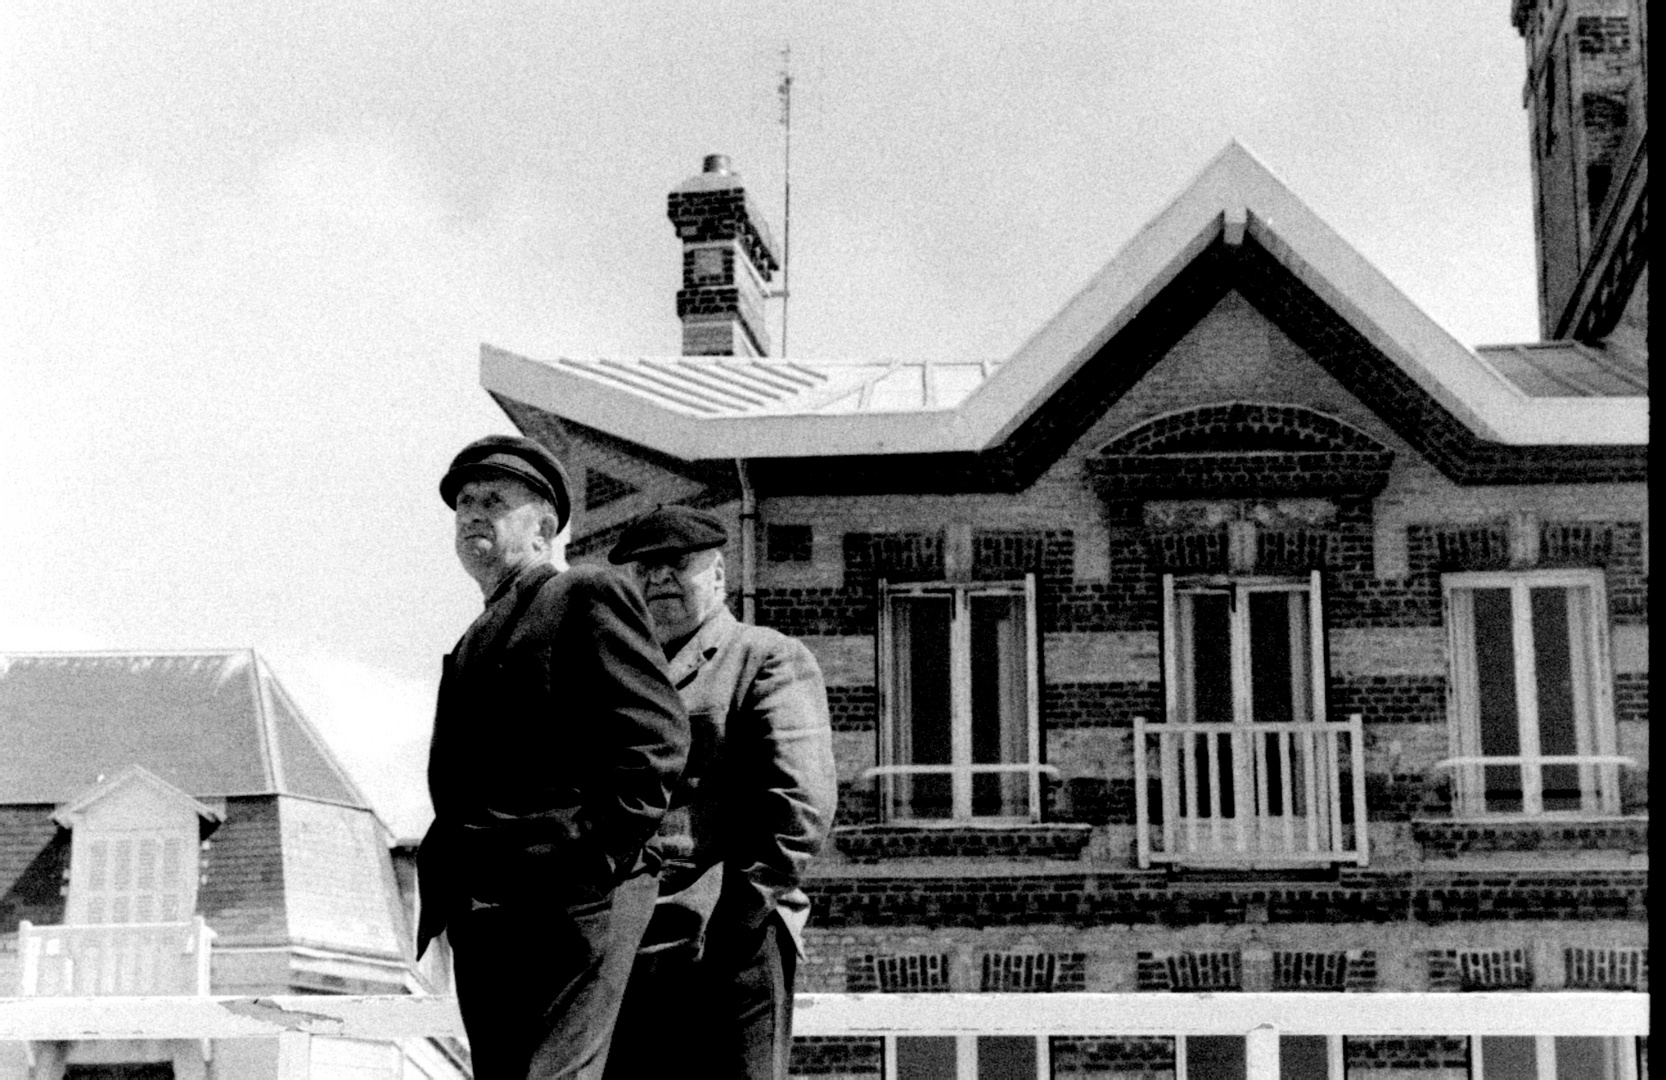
(1303, 1057)
(1214, 1057)
(1509, 1057)
(1586, 1058)
(1495, 677)
(1006, 1057)
(920, 648)
(1000, 717)
(1205, 642)
(1560, 715)
(1280, 690)
(925, 1057)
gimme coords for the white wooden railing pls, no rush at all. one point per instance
(114, 958)
(1259, 1017)
(1255, 794)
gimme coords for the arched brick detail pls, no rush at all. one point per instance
(1241, 449)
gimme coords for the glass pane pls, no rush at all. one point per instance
(1280, 690)
(1585, 1058)
(1509, 1057)
(1303, 1057)
(925, 1057)
(920, 664)
(1560, 717)
(1204, 639)
(1214, 1057)
(1000, 714)
(1006, 1057)
(1495, 677)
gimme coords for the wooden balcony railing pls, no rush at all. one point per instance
(126, 959)
(1260, 1018)
(1255, 794)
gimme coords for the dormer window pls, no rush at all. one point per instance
(134, 842)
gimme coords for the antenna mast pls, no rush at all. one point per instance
(785, 90)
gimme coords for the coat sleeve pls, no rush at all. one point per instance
(615, 675)
(786, 787)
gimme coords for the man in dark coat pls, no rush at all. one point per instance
(558, 741)
(711, 994)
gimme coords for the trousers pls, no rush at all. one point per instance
(539, 983)
(724, 1014)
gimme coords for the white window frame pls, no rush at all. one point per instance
(960, 767)
(1625, 1056)
(1598, 759)
(131, 865)
(966, 1056)
(1243, 707)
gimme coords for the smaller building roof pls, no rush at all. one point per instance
(1568, 369)
(212, 724)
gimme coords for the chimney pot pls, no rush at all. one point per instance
(717, 164)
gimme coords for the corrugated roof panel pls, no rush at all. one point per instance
(1567, 369)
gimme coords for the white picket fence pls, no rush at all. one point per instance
(1259, 1017)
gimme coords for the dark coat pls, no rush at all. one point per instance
(760, 789)
(558, 742)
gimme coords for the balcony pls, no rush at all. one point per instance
(1250, 795)
(103, 959)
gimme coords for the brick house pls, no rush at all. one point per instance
(1241, 631)
(170, 823)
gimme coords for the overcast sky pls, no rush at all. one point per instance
(250, 251)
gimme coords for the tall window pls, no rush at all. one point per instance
(1551, 1057)
(959, 702)
(1244, 665)
(1531, 703)
(1222, 1057)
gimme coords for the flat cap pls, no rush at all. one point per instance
(514, 456)
(669, 530)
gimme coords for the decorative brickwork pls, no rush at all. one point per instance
(852, 708)
(1147, 897)
(1033, 972)
(1190, 971)
(1128, 1056)
(893, 973)
(788, 543)
(1006, 555)
(1066, 705)
(1616, 546)
(893, 556)
(1405, 1052)
(1448, 838)
(1495, 969)
(1472, 547)
(1397, 699)
(1361, 976)
(1606, 969)
(1241, 450)
(1186, 552)
(1291, 551)
(1631, 697)
(1310, 970)
(870, 843)
(601, 489)
(837, 1056)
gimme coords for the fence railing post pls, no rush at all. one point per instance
(1261, 1053)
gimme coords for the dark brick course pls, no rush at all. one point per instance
(837, 1055)
(1066, 705)
(1120, 1055)
(1449, 838)
(852, 708)
(1368, 1052)
(1138, 897)
(871, 843)
(1631, 697)
(1399, 699)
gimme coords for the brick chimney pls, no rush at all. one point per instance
(728, 259)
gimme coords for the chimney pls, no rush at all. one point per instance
(728, 259)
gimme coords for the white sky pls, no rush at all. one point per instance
(248, 253)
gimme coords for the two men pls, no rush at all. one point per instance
(558, 743)
(714, 981)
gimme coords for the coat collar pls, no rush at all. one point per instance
(702, 646)
(502, 608)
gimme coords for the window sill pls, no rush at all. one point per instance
(1056, 840)
(1462, 836)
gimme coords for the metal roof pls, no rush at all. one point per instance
(209, 723)
(1568, 369)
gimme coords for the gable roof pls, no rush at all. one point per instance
(1235, 226)
(132, 775)
(208, 723)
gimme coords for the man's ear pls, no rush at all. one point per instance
(719, 570)
(549, 527)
